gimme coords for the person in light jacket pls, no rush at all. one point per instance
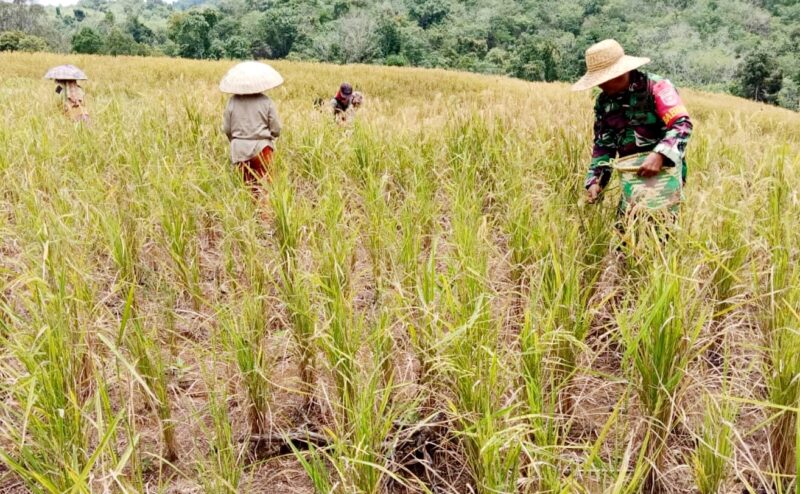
(252, 125)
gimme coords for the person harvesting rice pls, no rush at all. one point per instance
(250, 120)
(342, 100)
(72, 94)
(345, 102)
(635, 113)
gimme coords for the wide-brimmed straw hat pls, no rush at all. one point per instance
(605, 61)
(66, 73)
(250, 78)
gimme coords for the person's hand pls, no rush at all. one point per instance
(652, 165)
(594, 192)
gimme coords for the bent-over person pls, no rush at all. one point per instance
(636, 112)
(345, 102)
(250, 120)
(251, 123)
(73, 96)
(67, 79)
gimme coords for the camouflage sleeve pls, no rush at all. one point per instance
(603, 151)
(672, 111)
(673, 145)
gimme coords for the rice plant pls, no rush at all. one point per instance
(49, 432)
(429, 277)
(380, 226)
(471, 354)
(659, 332)
(122, 236)
(727, 254)
(358, 449)
(559, 300)
(521, 242)
(152, 371)
(780, 324)
(542, 388)
(782, 368)
(297, 294)
(244, 334)
(179, 227)
(223, 470)
(715, 446)
(343, 336)
(426, 331)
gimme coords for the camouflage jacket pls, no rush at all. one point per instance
(649, 116)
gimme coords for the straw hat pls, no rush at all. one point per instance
(66, 73)
(605, 61)
(250, 78)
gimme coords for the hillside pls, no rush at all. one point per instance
(425, 303)
(747, 47)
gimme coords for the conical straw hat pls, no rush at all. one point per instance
(66, 73)
(605, 61)
(250, 78)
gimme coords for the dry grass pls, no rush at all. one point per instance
(423, 304)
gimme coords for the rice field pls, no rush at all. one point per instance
(421, 301)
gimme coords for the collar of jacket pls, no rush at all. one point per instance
(638, 83)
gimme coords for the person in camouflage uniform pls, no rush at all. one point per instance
(635, 113)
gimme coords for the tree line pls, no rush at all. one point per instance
(747, 47)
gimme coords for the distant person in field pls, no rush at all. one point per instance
(250, 120)
(71, 92)
(73, 96)
(636, 112)
(345, 102)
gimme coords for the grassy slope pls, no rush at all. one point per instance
(144, 198)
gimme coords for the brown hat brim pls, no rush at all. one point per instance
(623, 65)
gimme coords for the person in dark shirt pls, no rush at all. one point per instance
(343, 99)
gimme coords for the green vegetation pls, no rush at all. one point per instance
(747, 47)
(19, 41)
(422, 302)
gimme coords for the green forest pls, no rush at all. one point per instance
(746, 47)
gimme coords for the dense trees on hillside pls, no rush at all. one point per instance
(748, 47)
(87, 40)
(759, 78)
(25, 27)
(19, 41)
